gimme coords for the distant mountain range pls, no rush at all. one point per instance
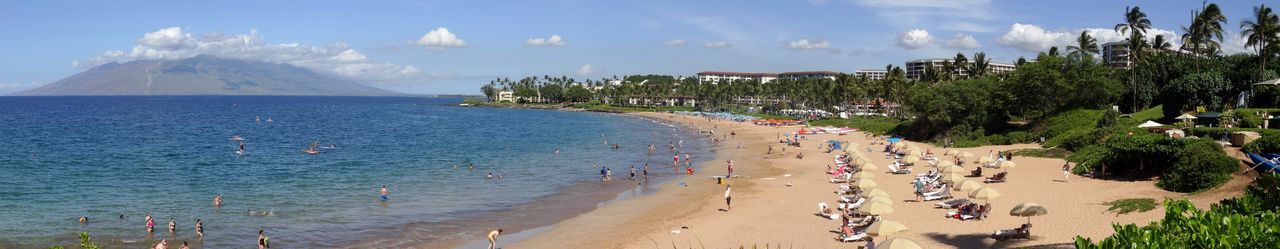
(202, 75)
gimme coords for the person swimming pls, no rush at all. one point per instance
(199, 229)
(263, 240)
(173, 225)
(489, 176)
(217, 200)
(84, 220)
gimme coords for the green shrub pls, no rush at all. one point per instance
(1088, 158)
(1249, 221)
(1269, 143)
(1109, 118)
(1045, 153)
(1071, 120)
(1124, 206)
(1021, 137)
(876, 125)
(1198, 169)
(997, 139)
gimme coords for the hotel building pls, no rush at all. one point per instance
(915, 68)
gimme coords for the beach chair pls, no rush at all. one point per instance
(941, 194)
(952, 203)
(854, 237)
(999, 177)
(895, 170)
(1023, 232)
(822, 212)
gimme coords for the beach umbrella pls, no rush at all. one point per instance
(863, 175)
(944, 163)
(967, 186)
(1028, 209)
(984, 160)
(880, 198)
(1150, 124)
(885, 228)
(870, 166)
(864, 183)
(899, 243)
(1006, 164)
(952, 177)
(900, 145)
(875, 192)
(875, 208)
(966, 155)
(861, 161)
(984, 193)
(951, 153)
(1186, 117)
(910, 159)
(950, 169)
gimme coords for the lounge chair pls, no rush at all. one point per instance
(895, 170)
(953, 203)
(823, 212)
(858, 201)
(999, 177)
(1023, 232)
(853, 238)
(942, 196)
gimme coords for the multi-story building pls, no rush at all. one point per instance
(831, 75)
(915, 68)
(1116, 54)
(871, 74)
(717, 77)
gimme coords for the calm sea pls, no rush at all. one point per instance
(103, 157)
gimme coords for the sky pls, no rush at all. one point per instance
(453, 47)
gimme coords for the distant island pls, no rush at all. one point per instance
(202, 75)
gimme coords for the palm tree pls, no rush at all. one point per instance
(1206, 25)
(1160, 43)
(1085, 45)
(961, 63)
(1053, 51)
(1136, 23)
(1261, 31)
(980, 65)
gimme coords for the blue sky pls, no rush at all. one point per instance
(455, 46)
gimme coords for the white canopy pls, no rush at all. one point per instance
(1186, 116)
(1150, 124)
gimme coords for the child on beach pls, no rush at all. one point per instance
(493, 238)
(1066, 171)
(727, 198)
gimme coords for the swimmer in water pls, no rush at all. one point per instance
(173, 225)
(84, 220)
(383, 193)
(199, 228)
(217, 200)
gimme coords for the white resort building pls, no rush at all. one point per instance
(915, 68)
(1116, 54)
(871, 74)
(714, 77)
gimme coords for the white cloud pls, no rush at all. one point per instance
(586, 70)
(914, 39)
(674, 43)
(955, 15)
(440, 39)
(966, 27)
(554, 40)
(717, 45)
(1234, 44)
(1032, 38)
(337, 58)
(806, 44)
(962, 42)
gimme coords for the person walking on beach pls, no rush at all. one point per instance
(217, 200)
(730, 175)
(727, 198)
(633, 172)
(1066, 171)
(493, 238)
(383, 193)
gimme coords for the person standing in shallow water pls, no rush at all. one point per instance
(383, 193)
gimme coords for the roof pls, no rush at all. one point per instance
(811, 72)
(736, 73)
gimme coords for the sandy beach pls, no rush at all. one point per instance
(768, 211)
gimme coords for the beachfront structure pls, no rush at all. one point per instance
(871, 74)
(915, 68)
(830, 75)
(508, 96)
(714, 77)
(655, 101)
(1116, 54)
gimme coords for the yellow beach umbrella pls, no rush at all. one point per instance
(863, 175)
(899, 243)
(875, 208)
(944, 163)
(885, 228)
(951, 153)
(864, 183)
(910, 159)
(1006, 164)
(951, 169)
(880, 198)
(967, 186)
(966, 155)
(870, 166)
(1028, 209)
(984, 193)
(900, 145)
(875, 192)
(952, 177)
(861, 161)
(984, 160)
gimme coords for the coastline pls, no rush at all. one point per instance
(766, 211)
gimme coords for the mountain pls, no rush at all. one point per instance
(202, 75)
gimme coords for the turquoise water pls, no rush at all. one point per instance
(103, 157)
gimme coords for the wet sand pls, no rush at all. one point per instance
(766, 211)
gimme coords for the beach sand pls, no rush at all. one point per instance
(766, 211)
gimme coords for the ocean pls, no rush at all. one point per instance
(107, 157)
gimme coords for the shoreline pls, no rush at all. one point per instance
(777, 214)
